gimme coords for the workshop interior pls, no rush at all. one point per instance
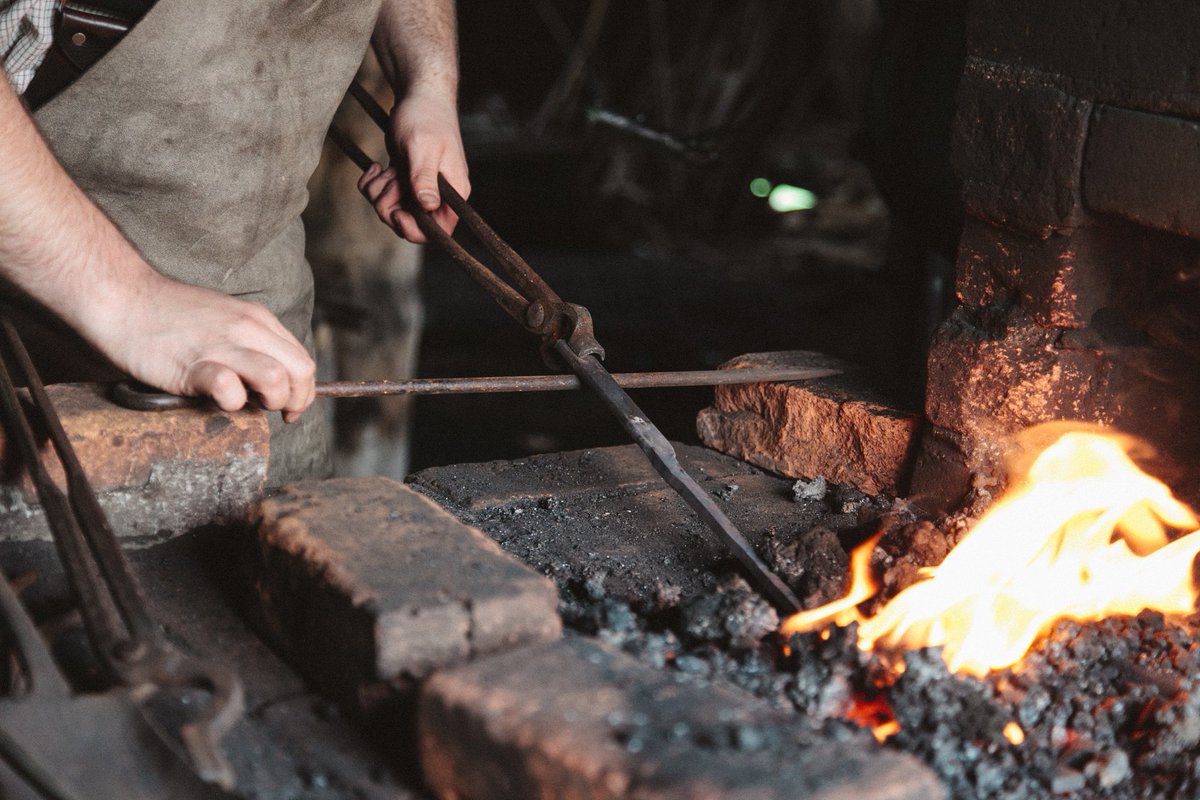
(806, 404)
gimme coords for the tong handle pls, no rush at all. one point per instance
(528, 299)
(526, 279)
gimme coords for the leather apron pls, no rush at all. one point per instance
(197, 135)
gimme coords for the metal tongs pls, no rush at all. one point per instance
(127, 641)
(568, 340)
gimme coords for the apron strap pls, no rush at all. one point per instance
(82, 35)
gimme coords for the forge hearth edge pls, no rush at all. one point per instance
(157, 474)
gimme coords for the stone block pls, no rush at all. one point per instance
(835, 427)
(1130, 53)
(156, 473)
(1018, 149)
(1060, 281)
(363, 581)
(1145, 168)
(993, 374)
(942, 470)
(575, 719)
(606, 470)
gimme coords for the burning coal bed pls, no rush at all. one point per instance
(1106, 708)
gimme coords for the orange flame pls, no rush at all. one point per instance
(1083, 536)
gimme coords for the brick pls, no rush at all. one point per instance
(1145, 168)
(993, 374)
(560, 476)
(1060, 281)
(156, 473)
(1130, 53)
(363, 581)
(941, 476)
(576, 719)
(1018, 149)
(833, 427)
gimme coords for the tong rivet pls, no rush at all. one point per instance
(535, 314)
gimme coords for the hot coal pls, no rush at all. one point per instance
(1108, 710)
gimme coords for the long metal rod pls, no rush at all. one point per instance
(665, 461)
(138, 398)
(562, 383)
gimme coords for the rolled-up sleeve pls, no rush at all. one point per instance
(26, 31)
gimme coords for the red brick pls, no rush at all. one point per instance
(1131, 53)
(363, 580)
(993, 374)
(1018, 149)
(833, 427)
(1060, 281)
(576, 719)
(1145, 168)
(156, 473)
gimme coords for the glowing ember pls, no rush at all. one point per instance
(1082, 536)
(1013, 732)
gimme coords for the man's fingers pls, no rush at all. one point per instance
(219, 382)
(366, 177)
(408, 227)
(424, 181)
(382, 189)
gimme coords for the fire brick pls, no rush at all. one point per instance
(1131, 53)
(1060, 281)
(156, 473)
(363, 581)
(993, 374)
(1018, 149)
(1144, 167)
(576, 719)
(834, 427)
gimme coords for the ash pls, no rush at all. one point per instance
(1109, 709)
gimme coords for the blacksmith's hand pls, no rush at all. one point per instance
(425, 129)
(193, 341)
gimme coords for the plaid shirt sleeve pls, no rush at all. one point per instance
(26, 28)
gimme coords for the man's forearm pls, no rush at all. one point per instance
(61, 249)
(54, 242)
(416, 41)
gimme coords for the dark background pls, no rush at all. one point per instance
(681, 266)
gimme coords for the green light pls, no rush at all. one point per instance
(760, 187)
(784, 198)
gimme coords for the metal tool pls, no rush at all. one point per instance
(140, 397)
(62, 746)
(567, 339)
(123, 634)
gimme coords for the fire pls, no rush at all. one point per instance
(1083, 536)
